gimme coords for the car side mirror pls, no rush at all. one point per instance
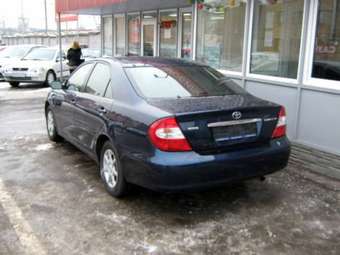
(58, 59)
(56, 85)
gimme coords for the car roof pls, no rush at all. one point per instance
(150, 61)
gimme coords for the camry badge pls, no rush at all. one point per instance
(237, 115)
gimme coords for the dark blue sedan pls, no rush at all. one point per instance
(166, 124)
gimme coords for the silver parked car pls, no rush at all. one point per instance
(14, 53)
(41, 65)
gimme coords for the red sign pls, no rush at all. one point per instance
(66, 17)
(168, 24)
(63, 6)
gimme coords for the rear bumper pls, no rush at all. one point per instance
(173, 172)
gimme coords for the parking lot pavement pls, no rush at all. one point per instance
(53, 202)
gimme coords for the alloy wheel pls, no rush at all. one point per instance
(109, 168)
(50, 78)
(50, 124)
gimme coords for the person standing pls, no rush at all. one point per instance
(74, 55)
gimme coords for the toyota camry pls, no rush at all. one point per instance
(166, 124)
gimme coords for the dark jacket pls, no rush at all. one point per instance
(74, 57)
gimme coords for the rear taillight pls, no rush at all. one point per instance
(281, 126)
(166, 135)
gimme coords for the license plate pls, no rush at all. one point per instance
(235, 132)
(19, 75)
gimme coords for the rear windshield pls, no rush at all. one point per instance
(181, 82)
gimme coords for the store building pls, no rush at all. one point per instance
(287, 51)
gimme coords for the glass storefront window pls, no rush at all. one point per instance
(120, 35)
(221, 33)
(149, 28)
(168, 34)
(277, 26)
(186, 49)
(134, 34)
(326, 63)
(107, 36)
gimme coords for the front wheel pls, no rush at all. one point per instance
(51, 126)
(50, 77)
(111, 171)
(14, 84)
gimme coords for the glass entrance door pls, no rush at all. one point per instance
(149, 28)
(186, 22)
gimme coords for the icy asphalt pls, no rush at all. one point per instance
(53, 202)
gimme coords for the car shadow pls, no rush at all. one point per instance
(185, 207)
(196, 207)
(29, 87)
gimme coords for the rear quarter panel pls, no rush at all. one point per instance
(130, 116)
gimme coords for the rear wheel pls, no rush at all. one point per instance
(51, 126)
(111, 171)
(14, 84)
(50, 77)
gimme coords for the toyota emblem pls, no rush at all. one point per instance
(237, 115)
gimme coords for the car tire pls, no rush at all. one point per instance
(50, 77)
(51, 126)
(14, 84)
(111, 171)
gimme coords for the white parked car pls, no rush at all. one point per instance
(41, 65)
(13, 53)
(90, 54)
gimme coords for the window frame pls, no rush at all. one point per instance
(90, 74)
(109, 84)
(308, 80)
(274, 79)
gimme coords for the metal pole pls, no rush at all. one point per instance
(60, 48)
(46, 21)
(78, 30)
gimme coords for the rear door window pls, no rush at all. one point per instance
(181, 82)
(78, 78)
(98, 80)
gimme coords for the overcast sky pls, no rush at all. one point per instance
(10, 10)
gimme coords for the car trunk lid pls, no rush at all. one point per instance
(218, 124)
